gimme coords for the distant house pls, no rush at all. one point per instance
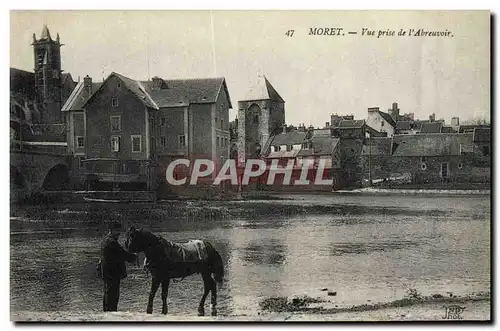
(376, 158)
(407, 127)
(434, 158)
(134, 129)
(381, 121)
(482, 141)
(431, 127)
(74, 115)
(302, 146)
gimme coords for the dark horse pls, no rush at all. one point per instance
(168, 260)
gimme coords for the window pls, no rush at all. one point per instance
(163, 141)
(163, 121)
(288, 148)
(80, 142)
(424, 158)
(227, 142)
(136, 143)
(423, 166)
(114, 102)
(116, 125)
(460, 166)
(118, 84)
(486, 150)
(115, 144)
(255, 119)
(382, 123)
(218, 141)
(444, 170)
(222, 124)
(216, 120)
(182, 141)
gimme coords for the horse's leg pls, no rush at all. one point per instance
(164, 295)
(207, 287)
(213, 303)
(155, 283)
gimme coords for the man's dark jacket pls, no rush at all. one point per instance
(113, 257)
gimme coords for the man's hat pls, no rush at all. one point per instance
(115, 225)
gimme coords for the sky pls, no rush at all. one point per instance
(315, 75)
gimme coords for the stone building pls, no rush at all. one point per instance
(429, 159)
(134, 129)
(36, 97)
(381, 121)
(260, 115)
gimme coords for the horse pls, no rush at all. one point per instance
(168, 260)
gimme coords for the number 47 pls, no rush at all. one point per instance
(289, 33)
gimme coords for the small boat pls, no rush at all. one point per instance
(103, 200)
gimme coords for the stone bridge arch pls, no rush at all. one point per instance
(57, 178)
(39, 172)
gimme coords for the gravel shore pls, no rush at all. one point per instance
(474, 311)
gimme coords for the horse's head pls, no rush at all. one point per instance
(135, 241)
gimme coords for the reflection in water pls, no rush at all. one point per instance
(373, 257)
(369, 247)
(271, 252)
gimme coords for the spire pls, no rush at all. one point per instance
(57, 38)
(34, 38)
(45, 33)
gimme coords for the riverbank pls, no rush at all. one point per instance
(474, 311)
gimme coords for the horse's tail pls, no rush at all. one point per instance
(218, 268)
(217, 265)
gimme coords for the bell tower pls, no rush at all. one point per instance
(47, 54)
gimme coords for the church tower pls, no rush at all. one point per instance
(260, 116)
(47, 53)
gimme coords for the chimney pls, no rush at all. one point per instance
(327, 124)
(455, 121)
(87, 85)
(395, 111)
(284, 128)
(432, 117)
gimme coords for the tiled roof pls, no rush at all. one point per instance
(403, 125)
(321, 145)
(471, 127)
(482, 135)
(289, 138)
(432, 127)
(378, 146)
(387, 118)
(283, 154)
(351, 124)
(178, 92)
(23, 83)
(448, 129)
(136, 88)
(77, 98)
(432, 144)
(182, 92)
(262, 90)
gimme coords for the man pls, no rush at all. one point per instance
(113, 269)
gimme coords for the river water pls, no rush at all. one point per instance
(431, 244)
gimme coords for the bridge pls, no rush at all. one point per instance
(36, 167)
